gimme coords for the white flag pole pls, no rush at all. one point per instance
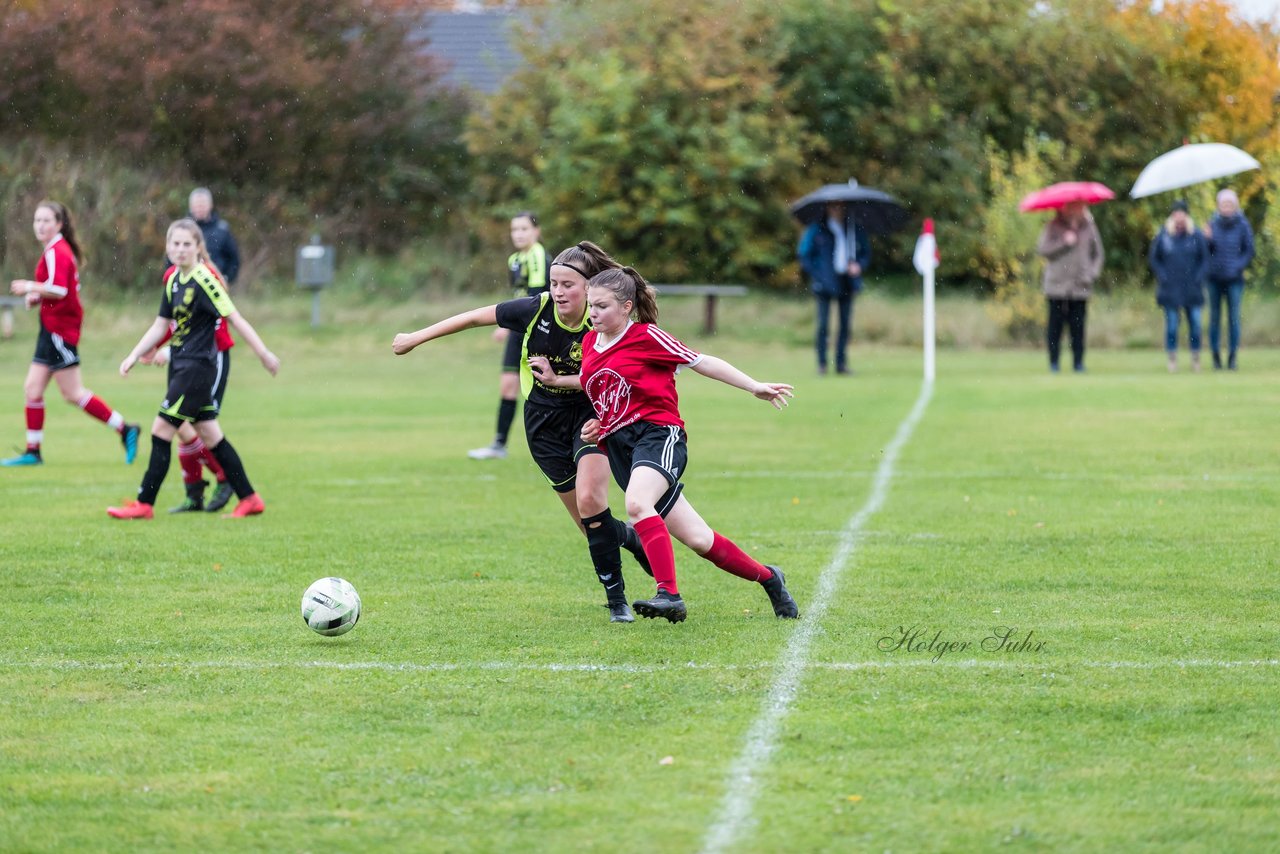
(926, 262)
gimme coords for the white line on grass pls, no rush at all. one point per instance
(1045, 666)
(740, 791)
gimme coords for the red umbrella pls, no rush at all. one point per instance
(1057, 195)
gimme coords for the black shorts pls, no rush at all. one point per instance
(54, 351)
(190, 394)
(554, 435)
(512, 351)
(661, 447)
(222, 367)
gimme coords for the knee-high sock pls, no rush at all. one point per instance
(204, 456)
(225, 454)
(35, 424)
(161, 452)
(657, 547)
(725, 554)
(189, 457)
(602, 542)
(95, 406)
(506, 415)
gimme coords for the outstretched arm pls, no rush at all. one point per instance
(407, 341)
(718, 369)
(250, 335)
(146, 344)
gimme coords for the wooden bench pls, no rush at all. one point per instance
(711, 292)
(7, 306)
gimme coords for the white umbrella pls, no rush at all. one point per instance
(1191, 164)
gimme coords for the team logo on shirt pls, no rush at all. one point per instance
(610, 396)
(575, 352)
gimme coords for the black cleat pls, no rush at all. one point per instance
(194, 502)
(669, 606)
(221, 495)
(620, 612)
(783, 605)
(631, 542)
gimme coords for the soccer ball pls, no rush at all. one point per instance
(331, 606)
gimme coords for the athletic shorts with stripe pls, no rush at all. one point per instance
(55, 352)
(658, 446)
(554, 435)
(190, 394)
(222, 368)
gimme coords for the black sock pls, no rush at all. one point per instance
(230, 462)
(161, 453)
(506, 415)
(602, 542)
(630, 540)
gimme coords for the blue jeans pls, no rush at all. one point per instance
(1233, 291)
(844, 318)
(1171, 316)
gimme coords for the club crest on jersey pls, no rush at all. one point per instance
(575, 352)
(610, 395)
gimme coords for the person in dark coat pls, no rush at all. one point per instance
(1230, 251)
(834, 254)
(1179, 257)
(221, 244)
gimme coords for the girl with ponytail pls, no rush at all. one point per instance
(548, 329)
(628, 372)
(56, 290)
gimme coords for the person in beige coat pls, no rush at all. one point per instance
(1072, 249)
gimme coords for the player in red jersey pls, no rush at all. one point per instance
(628, 372)
(548, 330)
(194, 300)
(56, 289)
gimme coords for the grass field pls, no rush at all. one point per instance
(158, 690)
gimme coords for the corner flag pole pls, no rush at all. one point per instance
(926, 260)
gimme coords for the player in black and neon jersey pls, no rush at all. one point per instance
(194, 300)
(549, 328)
(530, 276)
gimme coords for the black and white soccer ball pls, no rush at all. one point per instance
(331, 606)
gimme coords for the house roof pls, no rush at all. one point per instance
(477, 50)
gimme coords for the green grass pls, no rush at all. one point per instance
(158, 690)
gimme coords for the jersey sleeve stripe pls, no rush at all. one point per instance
(673, 346)
(50, 266)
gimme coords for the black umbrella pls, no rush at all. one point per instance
(873, 211)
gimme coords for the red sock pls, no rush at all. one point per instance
(656, 540)
(189, 457)
(207, 459)
(35, 424)
(95, 406)
(725, 554)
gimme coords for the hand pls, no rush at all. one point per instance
(129, 362)
(1070, 238)
(271, 362)
(32, 298)
(775, 394)
(541, 367)
(855, 269)
(500, 334)
(160, 358)
(402, 343)
(591, 431)
(1208, 231)
(21, 287)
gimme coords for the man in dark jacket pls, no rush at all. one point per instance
(1179, 257)
(834, 254)
(217, 234)
(1230, 251)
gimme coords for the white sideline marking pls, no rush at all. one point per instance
(1050, 666)
(740, 791)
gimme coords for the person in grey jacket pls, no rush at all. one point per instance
(1230, 252)
(1072, 249)
(1179, 257)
